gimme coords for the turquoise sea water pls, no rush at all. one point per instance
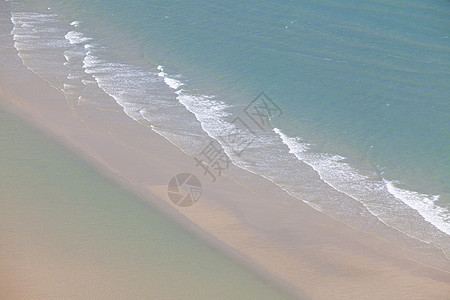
(363, 87)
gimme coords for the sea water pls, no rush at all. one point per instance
(363, 89)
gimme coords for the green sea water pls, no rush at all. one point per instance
(54, 205)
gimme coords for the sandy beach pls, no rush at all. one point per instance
(301, 250)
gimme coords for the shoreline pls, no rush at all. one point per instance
(286, 242)
(300, 250)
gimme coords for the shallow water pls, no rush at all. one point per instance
(89, 238)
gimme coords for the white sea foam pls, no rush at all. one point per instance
(171, 82)
(161, 69)
(40, 45)
(424, 204)
(379, 196)
(48, 50)
(75, 23)
(75, 37)
(130, 86)
(210, 112)
(88, 82)
(72, 77)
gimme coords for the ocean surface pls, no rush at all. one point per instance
(363, 88)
